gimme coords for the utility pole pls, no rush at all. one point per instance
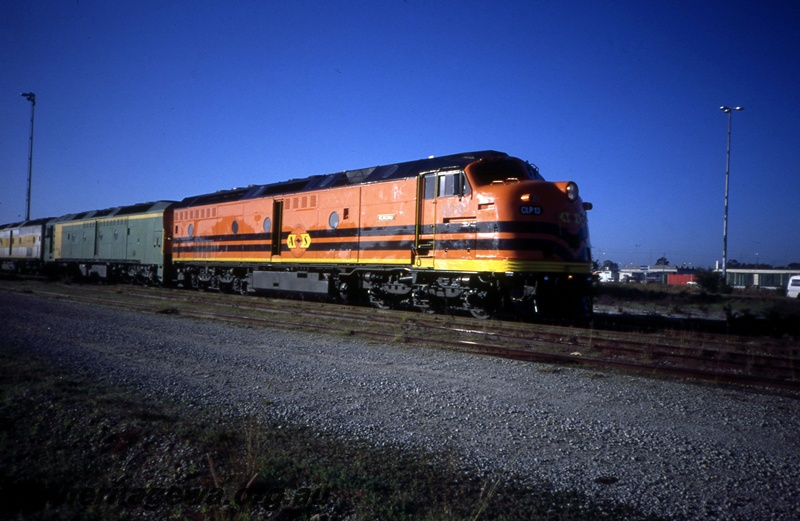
(729, 112)
(32, 98)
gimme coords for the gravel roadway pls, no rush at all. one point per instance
(672, 448)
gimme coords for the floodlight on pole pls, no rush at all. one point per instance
(30, 96)
(729, 112)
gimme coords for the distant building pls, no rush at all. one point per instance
(647, 274)
(760, 278)
(608, 275)
(740, 278)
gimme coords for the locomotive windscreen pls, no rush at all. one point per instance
(485, 173)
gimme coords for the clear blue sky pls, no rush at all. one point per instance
(144, 100)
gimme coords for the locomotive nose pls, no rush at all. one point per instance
(550, 192)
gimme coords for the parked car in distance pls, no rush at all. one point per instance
(793, 287)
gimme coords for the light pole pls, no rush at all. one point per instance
(32, 98)
(729, 112)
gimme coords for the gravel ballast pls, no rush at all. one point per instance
(666, 447)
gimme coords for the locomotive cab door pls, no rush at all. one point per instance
(446, 231)
(425, 236)
(276, 233)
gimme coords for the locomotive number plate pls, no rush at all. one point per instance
(529, 209)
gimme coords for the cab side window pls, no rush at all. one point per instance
(452, 184)
(429, 186)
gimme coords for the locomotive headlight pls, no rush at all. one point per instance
(572, 191)
(525, 197)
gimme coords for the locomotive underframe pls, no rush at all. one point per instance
(481, 294)
(113, 271)
(22, 266)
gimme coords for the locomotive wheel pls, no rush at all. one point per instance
(427, 309)
(344, 292)
(379, 303)
(239, 286)
(479, 304)
(480, 313)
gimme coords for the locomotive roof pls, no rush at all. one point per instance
(118, 211)
(348, 177)
(20, 224)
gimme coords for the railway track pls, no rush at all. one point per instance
(608, 342)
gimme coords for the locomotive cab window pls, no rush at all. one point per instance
(493, 171)
(444, 185)
(452, 184)
(429, 186)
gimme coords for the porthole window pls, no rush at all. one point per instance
(235, 227)
(333, 220)
(267, 224)
(191, 230)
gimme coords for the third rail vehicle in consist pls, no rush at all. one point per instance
(479, 231)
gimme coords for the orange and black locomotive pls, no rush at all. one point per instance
(481, 231)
